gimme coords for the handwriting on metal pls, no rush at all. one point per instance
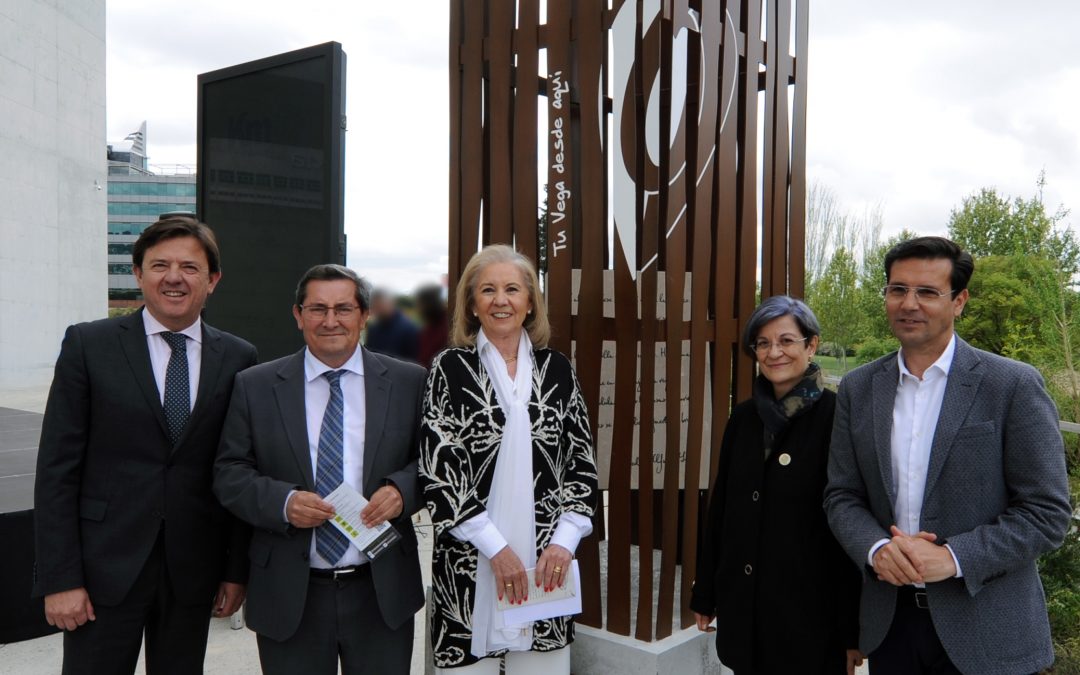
(559, 192)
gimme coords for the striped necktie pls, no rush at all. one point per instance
(330, 543)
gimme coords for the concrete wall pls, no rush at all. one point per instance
(52, 182)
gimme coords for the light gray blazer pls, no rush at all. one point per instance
(996, 489)
(264, 454)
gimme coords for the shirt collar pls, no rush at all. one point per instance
(943, 363)
(154, 327)
(314, 368)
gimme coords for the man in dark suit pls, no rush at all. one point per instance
(129, 537)
(298, 428)
(946, 482)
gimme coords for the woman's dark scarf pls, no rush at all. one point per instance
(777, 415)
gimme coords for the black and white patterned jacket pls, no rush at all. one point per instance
(460, 438)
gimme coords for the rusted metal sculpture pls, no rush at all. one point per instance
(658, 225)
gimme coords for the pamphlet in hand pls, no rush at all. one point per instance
(348, 503)
(542, 604)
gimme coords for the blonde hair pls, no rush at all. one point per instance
(466, 326)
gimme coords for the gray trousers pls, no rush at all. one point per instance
(341, 622)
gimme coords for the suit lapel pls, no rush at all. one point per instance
(209, 372)
(133, 342)
(289, 393)
(377, 401)
(960, 390)
(884, 397)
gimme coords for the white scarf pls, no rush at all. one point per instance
(510, 505)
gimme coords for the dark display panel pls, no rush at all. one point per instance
(271, 151)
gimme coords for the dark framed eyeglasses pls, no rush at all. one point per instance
(320, 311)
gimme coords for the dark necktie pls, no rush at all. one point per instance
(177, 388)
(330, 543)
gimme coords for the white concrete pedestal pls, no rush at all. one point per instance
(686, 652)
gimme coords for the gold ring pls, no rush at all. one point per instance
(509, 585)
(558, 570)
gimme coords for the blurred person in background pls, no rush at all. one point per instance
(435, 324)
(391, 332)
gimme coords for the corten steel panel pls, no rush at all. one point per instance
(561, 196)
(682, 96)
(526, 51)
(500, 92)
(457, 38)
(704, 73)
(591, 49)
(797, 205)
(271, 145)
(647, 177)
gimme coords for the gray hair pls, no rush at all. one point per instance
(774, 308)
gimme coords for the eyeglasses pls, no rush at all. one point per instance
(785, 343)
(899, 292)
(320, 311)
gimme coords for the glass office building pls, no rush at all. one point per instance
(137, 197)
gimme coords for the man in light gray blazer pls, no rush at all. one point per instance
(946, 482)
(296, 429)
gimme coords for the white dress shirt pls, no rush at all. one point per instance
(316, 396)
(915, 418)
(161, 352)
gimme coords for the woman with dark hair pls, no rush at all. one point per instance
(506, 464)
(782, 591)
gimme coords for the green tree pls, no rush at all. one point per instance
(989, 224)
(833, 298)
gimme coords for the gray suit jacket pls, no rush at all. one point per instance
(264, 454)
(996, 489)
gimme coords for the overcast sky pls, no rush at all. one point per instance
(912, 105)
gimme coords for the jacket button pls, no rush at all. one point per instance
(748, 569)
(755, 496)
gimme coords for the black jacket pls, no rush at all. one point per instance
(784, 593)
(109, 479)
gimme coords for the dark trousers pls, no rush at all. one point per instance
(911, 646)
(341, 622)
(175, 633)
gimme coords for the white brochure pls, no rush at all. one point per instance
(560, 601)
(348, 503)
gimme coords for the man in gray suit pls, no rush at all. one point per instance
(946, 482)
(296, 429)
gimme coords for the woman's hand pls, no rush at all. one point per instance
(703, 622)
(510, 577)
(854, 660)
(553, 566)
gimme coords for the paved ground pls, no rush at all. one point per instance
(19, 430)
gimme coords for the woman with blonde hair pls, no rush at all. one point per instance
(507, 468)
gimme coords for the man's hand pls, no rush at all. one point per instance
(228, 599)
(307, 509)
(553, 567)
(510, 577)
(67, 610)
(893, 566)
(933, 562)
(385, 504)
(854, 660)
(703, 622)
